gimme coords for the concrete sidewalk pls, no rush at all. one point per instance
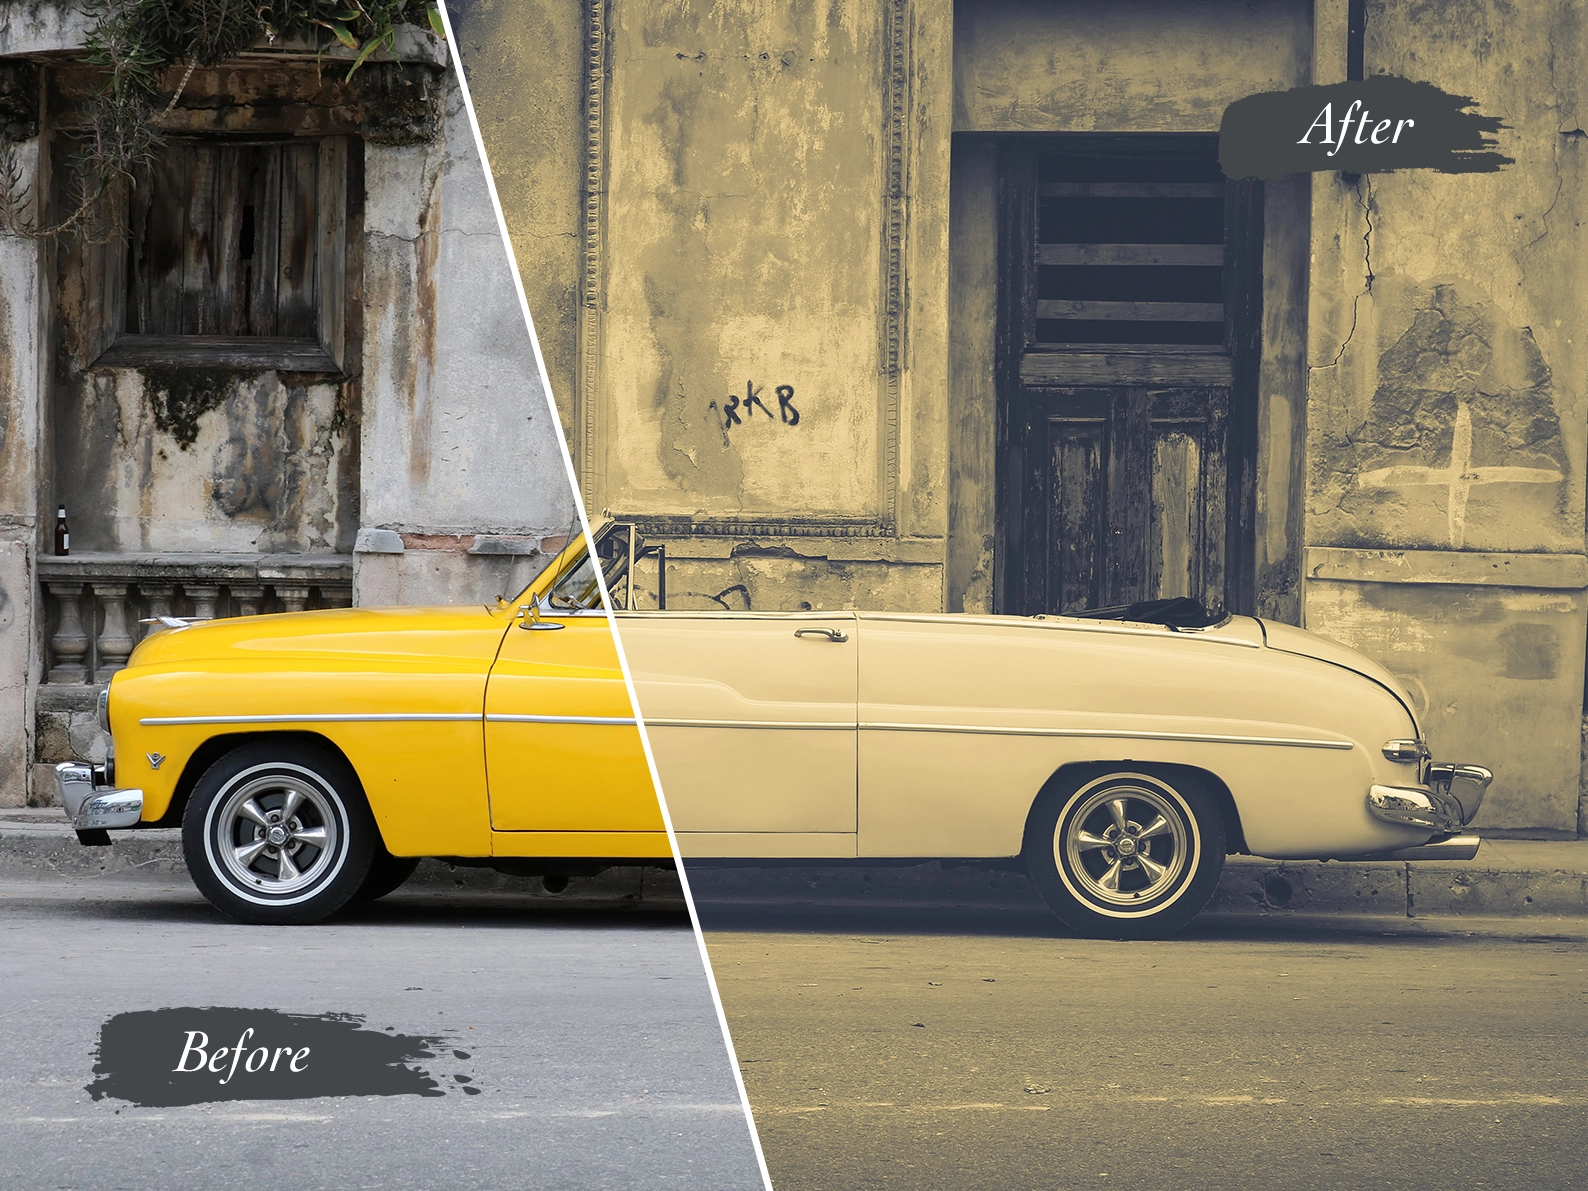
(1507, 878)
(38, 844)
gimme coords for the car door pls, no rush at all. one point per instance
(751, 717)
(562, 751)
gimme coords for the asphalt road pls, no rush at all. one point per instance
(917, 1048)
(590, 1033)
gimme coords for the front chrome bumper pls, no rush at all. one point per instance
(91, 803)
(1448, 803)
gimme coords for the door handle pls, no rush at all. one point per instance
(830, 634)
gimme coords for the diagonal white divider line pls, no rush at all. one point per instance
(606, 601)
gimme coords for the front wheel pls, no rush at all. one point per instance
(1126, 855)
(387, 873)
(278, 834)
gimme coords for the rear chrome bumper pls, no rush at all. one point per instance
(1447, 804)
(90, 803)
(1455, 847)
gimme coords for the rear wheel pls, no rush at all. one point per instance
(1128, 854)
(278, 834)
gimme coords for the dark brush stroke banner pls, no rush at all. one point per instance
(162, 1058)
(1259, 135)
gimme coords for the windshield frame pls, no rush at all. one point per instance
(571, 557)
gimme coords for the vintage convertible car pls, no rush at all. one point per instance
(1116, 760)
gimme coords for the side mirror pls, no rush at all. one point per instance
(529, 617)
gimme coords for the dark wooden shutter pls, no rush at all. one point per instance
(223, 241)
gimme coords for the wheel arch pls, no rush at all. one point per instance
(1070, 777)
(216, 747)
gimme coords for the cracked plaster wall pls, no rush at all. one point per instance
(458, 435)
(1447, 399)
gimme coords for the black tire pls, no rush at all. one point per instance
(1130, 853)
(386, 875)
(278, 833)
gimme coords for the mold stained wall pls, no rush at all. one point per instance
(1120, 66)
(458, 436)
(1447, 405)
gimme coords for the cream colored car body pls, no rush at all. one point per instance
(843, 734)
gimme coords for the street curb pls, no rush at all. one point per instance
(1508, 878)
(32, 851)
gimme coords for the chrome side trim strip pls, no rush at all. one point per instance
(770, 725)
(401, 717)
(616, 721)
(1115, 734)
(1072, 624)
(979, 730)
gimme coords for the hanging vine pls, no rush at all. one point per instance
(135, 41)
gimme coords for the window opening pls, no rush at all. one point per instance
(1130, 250)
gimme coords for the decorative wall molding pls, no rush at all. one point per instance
(587, 394)
(895, 227)
(758, 527)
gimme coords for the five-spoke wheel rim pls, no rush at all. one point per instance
(1125, 845)
(277, 834)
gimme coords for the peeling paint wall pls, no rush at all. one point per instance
(973, 381)
(22, 369)
(1451, 436)
(1447, 403)
(746, 227)
(526, 69)
(261, 470)
(764, 345)
(1486, 667)
(1112, 65)
(458, 436)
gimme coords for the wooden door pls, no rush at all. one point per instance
(1129, 314)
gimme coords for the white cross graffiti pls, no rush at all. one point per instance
(1458, 476)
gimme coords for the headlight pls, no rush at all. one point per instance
(104, 709)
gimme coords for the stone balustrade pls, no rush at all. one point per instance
(96, 602)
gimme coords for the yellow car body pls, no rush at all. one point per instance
(494, 732)
(417, 700)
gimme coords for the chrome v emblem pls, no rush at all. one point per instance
(155, 760)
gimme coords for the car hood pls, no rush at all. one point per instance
(1289, 639)
(470, 630)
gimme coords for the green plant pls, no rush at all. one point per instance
(135, 41)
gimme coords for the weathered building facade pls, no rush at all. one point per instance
(296, 374)
(918, 304)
